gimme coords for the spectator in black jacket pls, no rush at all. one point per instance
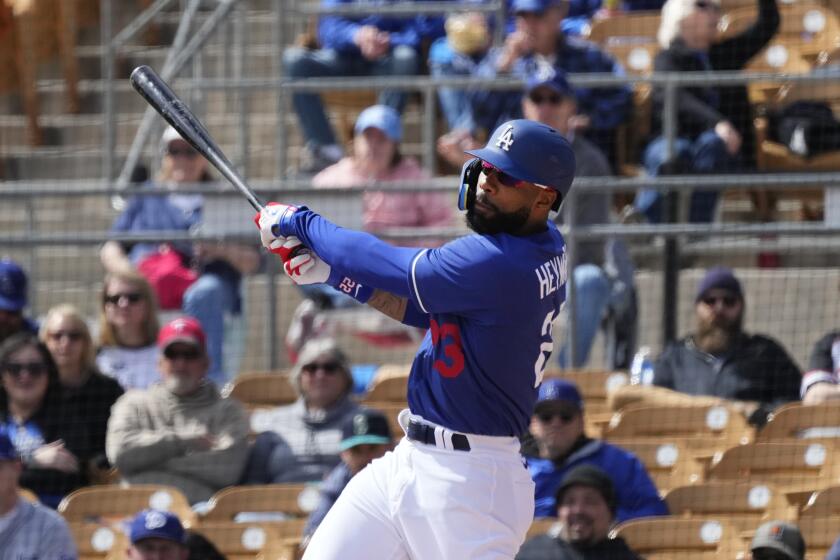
(821, 382)
(586, 505)
(30, 415)
(86, 395)
(719, 359)
(714, 124)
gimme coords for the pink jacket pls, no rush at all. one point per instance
(383, 209)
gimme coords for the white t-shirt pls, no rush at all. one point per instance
(133, 368)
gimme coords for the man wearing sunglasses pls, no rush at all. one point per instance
(751, 371)
(561, 444)
(455, 486)
(179, 432)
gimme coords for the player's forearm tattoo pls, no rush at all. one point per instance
(388, 304)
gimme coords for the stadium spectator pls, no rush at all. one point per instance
(13, 300)
(561, 445)
(371, 45)
(721, 360)
(179, 432)
(28, 530)
(365, 436)
(603, 274)
(30, 413)
(778, 540)
(820, 382)
(128, 328)
(536, 43)
(376, 157)
(212, 291)
(86, 395)
(458, 54)
(714, 124)
(157, 535)
(304, 442)
(586, 505)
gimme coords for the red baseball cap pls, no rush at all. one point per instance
(182, 329)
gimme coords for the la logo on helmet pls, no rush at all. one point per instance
(505, 141)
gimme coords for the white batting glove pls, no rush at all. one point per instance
(272, 215)
(306, 267)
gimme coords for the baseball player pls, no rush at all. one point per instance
(455, 487)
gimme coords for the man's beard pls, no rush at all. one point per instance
(497, 221)
(715, 337)
(181, 386)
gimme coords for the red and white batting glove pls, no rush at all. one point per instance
(271, 216)
(306, 267)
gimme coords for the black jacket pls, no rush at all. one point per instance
(697, 109)
(545, 547)
(756, 368)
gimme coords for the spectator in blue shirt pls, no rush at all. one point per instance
(371, 45)
(557, 428)
(365, 436)
(537, 42)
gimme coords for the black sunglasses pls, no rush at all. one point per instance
(326, 367)
(15, 369)
(551, 98)
(548, 415)
(182, 152)
(72, 336)
(130, 297)
(727, 301)
(188, 354)
(504, 178)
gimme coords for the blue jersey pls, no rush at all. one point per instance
(489, 303)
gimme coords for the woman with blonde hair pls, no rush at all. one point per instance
(128, 328)
(714, 127)
(85, 396)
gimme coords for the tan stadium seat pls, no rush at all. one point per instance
(802, 421)
(290, 500)
(823, 503)
(745, 505)
(594, 385)
(109, 504)
(541, 526)
(668, 462)
(630, 27)
(245, 541)
(819, 534)
(262, 389)
(98, 542)
(795, 468)
(390, 384)
(674, 537)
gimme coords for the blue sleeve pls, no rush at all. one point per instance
(335, 32)
(360, 256)
(834, 553)
(639, 496)
(408, 35)
(574, 25)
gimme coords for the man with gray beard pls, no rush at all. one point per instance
(179, 432)
(720, 360)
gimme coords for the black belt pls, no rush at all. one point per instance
(426, 434)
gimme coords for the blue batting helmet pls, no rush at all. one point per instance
(532, 152)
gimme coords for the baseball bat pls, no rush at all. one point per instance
(160, 96)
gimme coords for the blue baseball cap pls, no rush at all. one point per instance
(8, 452)
(382, 117)
(550, 78)
(156, 524)
(12, 286)
(560, 390)
(532, 152)
(720, 278)
(533, 6)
